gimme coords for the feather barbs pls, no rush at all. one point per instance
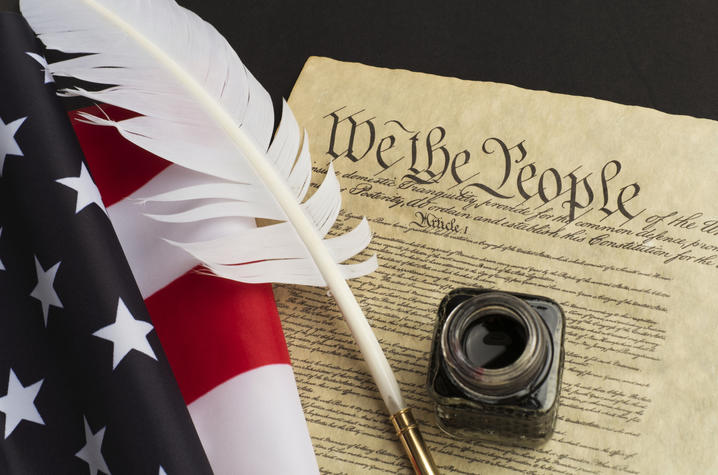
(201, 109)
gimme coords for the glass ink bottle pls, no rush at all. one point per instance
(496, 364)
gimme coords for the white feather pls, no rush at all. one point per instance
(176, 70)
(201, 109)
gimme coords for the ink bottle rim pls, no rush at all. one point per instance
(512, 381)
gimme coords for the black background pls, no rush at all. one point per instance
(660, 54)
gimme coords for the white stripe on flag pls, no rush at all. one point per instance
(255, 421)
(154, 262)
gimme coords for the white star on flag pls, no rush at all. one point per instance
(92, 451)
(126, 334)
(43, 63)
(19, 403)
(2, 267)
(87, 192)
(44, 291)
(162, 471)
(8, 145)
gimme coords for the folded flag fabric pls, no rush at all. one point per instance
(223, 340)
(84, 383)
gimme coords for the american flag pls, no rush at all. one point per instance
(88, 381)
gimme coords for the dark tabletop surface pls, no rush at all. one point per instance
(659, 54)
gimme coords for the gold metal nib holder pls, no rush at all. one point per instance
(410, 436)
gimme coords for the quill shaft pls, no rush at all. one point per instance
(235, 134)
(353, 314)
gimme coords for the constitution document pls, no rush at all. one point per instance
(610, 210)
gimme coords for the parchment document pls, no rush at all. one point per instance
(608, 209)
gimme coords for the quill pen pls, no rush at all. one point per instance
(201, 109)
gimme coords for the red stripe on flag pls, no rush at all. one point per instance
(118, 166)
(213, 329)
